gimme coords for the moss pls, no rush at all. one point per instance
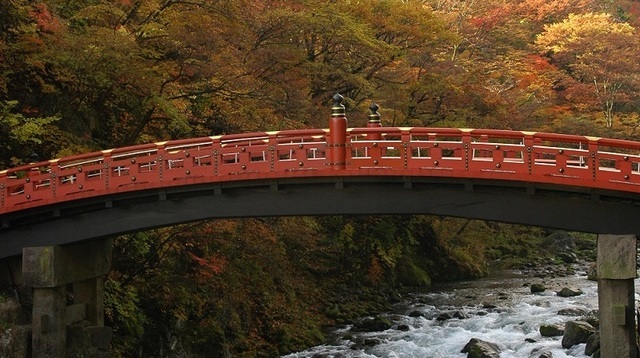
(409, 274)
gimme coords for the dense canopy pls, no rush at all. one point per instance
(86, 75)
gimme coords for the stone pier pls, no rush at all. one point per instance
(68, 303)
(616, 267)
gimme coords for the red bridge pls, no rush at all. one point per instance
(544, 179)
(562, 181)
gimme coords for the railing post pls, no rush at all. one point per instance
(337, 141)
(374, 122)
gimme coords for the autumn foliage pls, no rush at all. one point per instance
(90, 75)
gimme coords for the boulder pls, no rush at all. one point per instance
(574, 311)
(16, 341)
(592, 273)
(576, 332)
(363, 343)
(11, 312)
(593, 344)
(452, 314)
(551, 330)
(444, 316)
(370, 342)
(567, 292)
(375, 324)
(592, 318)
(477, 348)
(568, 257)
(560, 241)
(460, 315)
(537, 287)
(539, 353)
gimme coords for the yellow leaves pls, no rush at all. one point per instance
(560, 37)
(545, 10)
(102, 15)
(598, 51)
(151, 30)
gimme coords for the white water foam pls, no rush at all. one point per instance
(514, 326)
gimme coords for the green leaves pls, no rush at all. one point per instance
(21, 129)
(20, 136)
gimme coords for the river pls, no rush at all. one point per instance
(499, 309)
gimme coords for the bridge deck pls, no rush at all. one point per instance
(521, 177)
(543, 158)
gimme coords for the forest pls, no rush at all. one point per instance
(86, 75)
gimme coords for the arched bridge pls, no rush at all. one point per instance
(563, 181)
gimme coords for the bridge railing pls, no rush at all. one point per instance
(438, 152)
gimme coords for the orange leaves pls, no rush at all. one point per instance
(634, 14)
(375, 272)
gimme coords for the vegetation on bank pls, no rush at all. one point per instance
(77, 76)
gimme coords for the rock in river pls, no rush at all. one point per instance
(477, 348)
(576, 332)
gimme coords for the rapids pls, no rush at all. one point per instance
(499, 309)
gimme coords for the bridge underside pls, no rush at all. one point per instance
(511, 202)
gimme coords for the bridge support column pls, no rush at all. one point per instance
(49, 270)
(616, 267)
(48, 328)
(90, 292)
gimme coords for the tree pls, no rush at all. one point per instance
(21, 137)
(597, 50)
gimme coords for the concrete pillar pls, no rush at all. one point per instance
(91, 293)
(49, 270)
(616, 266)
(49, 335)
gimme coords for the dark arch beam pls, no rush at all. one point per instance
(558, 207)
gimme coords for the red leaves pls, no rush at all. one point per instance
(45, 21)
(634, 12)
(209, 266)
(490, 19)
(540, 63)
